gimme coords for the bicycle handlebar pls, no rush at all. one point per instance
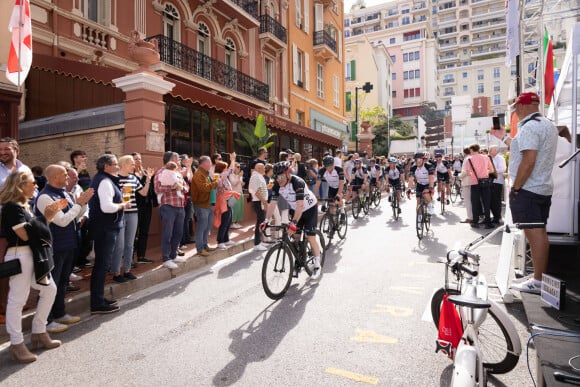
(461, 267)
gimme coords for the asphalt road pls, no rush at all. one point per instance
(362, 323)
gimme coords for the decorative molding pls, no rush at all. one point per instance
(157, 6)
(144, 81)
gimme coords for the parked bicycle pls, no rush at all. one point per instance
(333, 221)
(286, 258)
(487, 345)
(456, 192)
(360, 202)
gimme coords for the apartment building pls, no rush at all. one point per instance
(229, 61)
(404, 28)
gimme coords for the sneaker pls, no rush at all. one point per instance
(56, 327)
(530, 286)
(447, 201)
(260, 247)
(76, 269)
(72, 288)
(130, 276)
(170, 264)
(120, 279)
(236, 225)
(222, 246)
(105, 309)
(67, 319)
(316, 269)
(111, 302)
(211, 248)
(203, 253)
(179, 259)
(144, 260)
(398, 210)
(438, 199)
(180, 252)
(230, 243)
(522, 279)
(296, 271)
(74, 277)
(389, 198)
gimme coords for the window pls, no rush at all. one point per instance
(392, 40)
(348, 103)
(496, 72)
(394, 76)
(299, 59)
(464, 75)
(480, 88)
(411, 93)
(171, 27)
(404, 11)
(417, 92)
(417, 74)
(416, 55)
(406, 93)
(203, 41)
(352, 71)
(413, 35)
(336, 89)
(99, 11)
(496, 86)
(270, 76)
(230, 48)
(298, 14)
(405, 75)
(394, 94)
(320, 80)
(347, 22)
(497, 99)
(465, 88)
(411, 74)
(406, 20)
(480, 75)
(405, 57)
(346, 33)
(299, 117)
(393, 58)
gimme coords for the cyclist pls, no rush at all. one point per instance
(359, 175)
(421, 176)
(443, 176)
(394, 173)
(334, 177)
(301, 201)
(374, 171)
(457, 164)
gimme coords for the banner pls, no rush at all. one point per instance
(20, 54)
(549, 82)
(512, 40)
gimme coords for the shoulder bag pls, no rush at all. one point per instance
(483, 183)
(10, 268)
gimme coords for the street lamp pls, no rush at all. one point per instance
(476, 135)
(367, 87)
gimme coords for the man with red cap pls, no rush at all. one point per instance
(532, 157)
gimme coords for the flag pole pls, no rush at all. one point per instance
(20, 25)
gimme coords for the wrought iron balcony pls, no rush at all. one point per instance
(269, 25)
(324, 45)
(194, 62)
(250, 6)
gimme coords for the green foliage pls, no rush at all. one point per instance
(255, 137)
(396, 129)
(375, 115)
(429, 114)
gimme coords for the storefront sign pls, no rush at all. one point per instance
(553, 291)
(330, 131)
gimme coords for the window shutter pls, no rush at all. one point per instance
(294, 63)
(306, 15)
(336, 91)
(318, 17)
(353, 131)
(298, 14)
(306, 71)
(353, 70)
(339, 47)
(348, 104)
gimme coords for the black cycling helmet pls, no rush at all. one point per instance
(327, 161)
(419, 155)
(281, 167)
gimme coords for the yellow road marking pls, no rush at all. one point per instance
(396, 311)
(408, 289)
(352, 376)
(372, 337)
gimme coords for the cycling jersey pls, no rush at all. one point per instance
(333, 177)
(442, 167)
(294, 191)
(394, 174)
(373, 172)
(422, 174)
(359, 174)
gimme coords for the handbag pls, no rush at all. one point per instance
(483, 183)
(492, 175)
(10, 268)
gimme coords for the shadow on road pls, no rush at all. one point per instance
(258, 339)
(243, 261)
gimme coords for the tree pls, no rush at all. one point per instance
(429, 114)
(257, 137)
(396, 128)
(376, 115)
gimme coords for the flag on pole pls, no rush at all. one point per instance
(20, 55)
(548, 68)
(512, 40)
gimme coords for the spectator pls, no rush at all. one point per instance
(338, 158)
(261, 159)
(202, 185)
(171, 210)
(479, 167)
(499, 164)
(19, 228)
(145, 206)
(222, 209)
(78, 158)
(131, 187)
(532, 157)
(311, 174)
(300, 167)
(466, 187)
(187, 174)
(75, 190)
(106, 210)
(259, 192)
(64, 231)
(237, 182)
(269, 179)
(38, 177)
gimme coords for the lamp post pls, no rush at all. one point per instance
(367, 87)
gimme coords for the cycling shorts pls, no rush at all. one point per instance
(308, 221)
(444, 177)
(396, 184)
(420, 188)
(332, 192)
(356, 184)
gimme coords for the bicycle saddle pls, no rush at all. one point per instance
(470, 302)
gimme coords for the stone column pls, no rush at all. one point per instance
(365, 139)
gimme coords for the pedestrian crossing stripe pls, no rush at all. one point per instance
(352, 376)
(372, 337)
(395, 311)
(408, 289)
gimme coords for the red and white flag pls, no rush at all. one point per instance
(20, 55)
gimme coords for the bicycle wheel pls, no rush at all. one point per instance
(376, 197)
(309, 264)
(356, 207)
(326, 225)
(419, 223)
(426, 218)
(342, 226)
(496, 344)
(366, 204)
(443, 199)
(277, 271)
(454, 192)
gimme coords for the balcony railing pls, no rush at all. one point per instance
(192, 61)
(323, 37)
(269, 24)
(250, 6)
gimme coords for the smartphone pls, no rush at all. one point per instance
(496, 124)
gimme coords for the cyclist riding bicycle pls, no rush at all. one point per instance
(443, 170)
(394, 173)
(301, 201)
(374, 171)
(359, 176)
(422, 177)
(334, 176)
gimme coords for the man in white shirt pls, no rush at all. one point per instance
(497, 188)
(338, 158)
(259, 192)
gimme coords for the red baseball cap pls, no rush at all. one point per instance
(528, 98)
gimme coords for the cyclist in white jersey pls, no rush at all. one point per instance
(334, 177)
(374, 172)
(394, 173)
(300, 200)
(443, 170)
(421, 176)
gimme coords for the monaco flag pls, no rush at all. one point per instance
(20, 56)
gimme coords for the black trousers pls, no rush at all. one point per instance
(481, 197)
(496, 194)
(144, 216)
(260, 217)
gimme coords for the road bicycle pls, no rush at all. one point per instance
(375, 195)
(395, 205)
(423, 218)
(487, 345)
(334, 220)
(286, 258)
(360, 202)
(456, 192)
(442, 195)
